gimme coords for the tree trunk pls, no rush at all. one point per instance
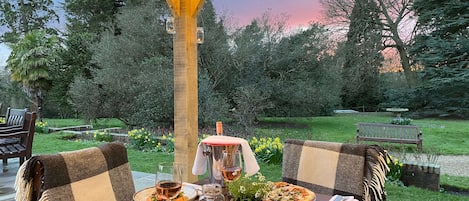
(410, 76)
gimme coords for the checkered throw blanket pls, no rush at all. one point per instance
(336, 168)
(93, 174)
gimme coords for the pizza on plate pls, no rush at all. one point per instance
(155, 197)
(283, 191)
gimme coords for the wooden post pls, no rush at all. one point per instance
(185, 83)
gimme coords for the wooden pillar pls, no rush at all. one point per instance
(185, 83)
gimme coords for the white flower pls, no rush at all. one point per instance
(242, 189)
(258, 194)
(261, 178)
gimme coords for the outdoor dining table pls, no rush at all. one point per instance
(319, 197)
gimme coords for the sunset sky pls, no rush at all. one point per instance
(241, 12)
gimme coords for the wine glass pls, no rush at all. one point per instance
(231, 165)
(168, 180)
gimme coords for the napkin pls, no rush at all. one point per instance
(342, 198)
(200, 162)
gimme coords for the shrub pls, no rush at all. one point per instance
(267, 150)
(142, 139)
(41, 127)
(168, 141)
(102, 136)
(395, 169)
(401, 121)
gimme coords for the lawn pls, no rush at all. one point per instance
(440, 136)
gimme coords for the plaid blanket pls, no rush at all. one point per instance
(336, 168)
(99, 173)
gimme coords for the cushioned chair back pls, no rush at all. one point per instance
(335, 168)
(99, 173)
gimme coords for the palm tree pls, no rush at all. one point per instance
(29, 63)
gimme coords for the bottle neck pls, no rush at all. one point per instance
(219, 126)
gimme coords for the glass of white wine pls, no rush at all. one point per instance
(168, 180)
(231, 165)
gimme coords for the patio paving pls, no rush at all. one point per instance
(7, 180)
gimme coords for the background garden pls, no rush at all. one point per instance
(108, 60)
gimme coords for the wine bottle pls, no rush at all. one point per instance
(219, 128)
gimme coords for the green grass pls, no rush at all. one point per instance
(440, 136)
(447, 137)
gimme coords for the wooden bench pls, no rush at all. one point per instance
(13, 119)
(378, 132)
(21, 148)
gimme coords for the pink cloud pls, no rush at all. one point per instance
(242, 12)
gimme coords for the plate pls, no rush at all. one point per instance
(189, 191)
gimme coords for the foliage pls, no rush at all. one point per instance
(213, 105)
(249, 188)
(168, 141)
(41, 127)
(18, 17)
(2, 120)
(267, 150)
(86, 21)
(362, 56)
(443, 37)
(250, 102)
(142, 139)
(395, 169)
(401, 121)
(305, 79)
(11, 93)
(395, 19)
(251, 87)
(29, 63)
(141, 76)
(102, 136)
(442, 94)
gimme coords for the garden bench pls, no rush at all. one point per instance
(378, 132)
(21, 148)
(13, 119)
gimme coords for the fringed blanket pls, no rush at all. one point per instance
(100, 173)
(336, 168)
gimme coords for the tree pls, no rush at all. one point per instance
(214, 55)
(305, 80)
(86, 21)
(29, 63)
(442, 46)
(443, 34)
(396, 22)
(250, 85)
(362, 56)
(19, 17)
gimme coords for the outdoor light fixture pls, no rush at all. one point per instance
(200, 35)
(170, 25)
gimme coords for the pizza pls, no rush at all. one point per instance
(283, 191)
(154, 197)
